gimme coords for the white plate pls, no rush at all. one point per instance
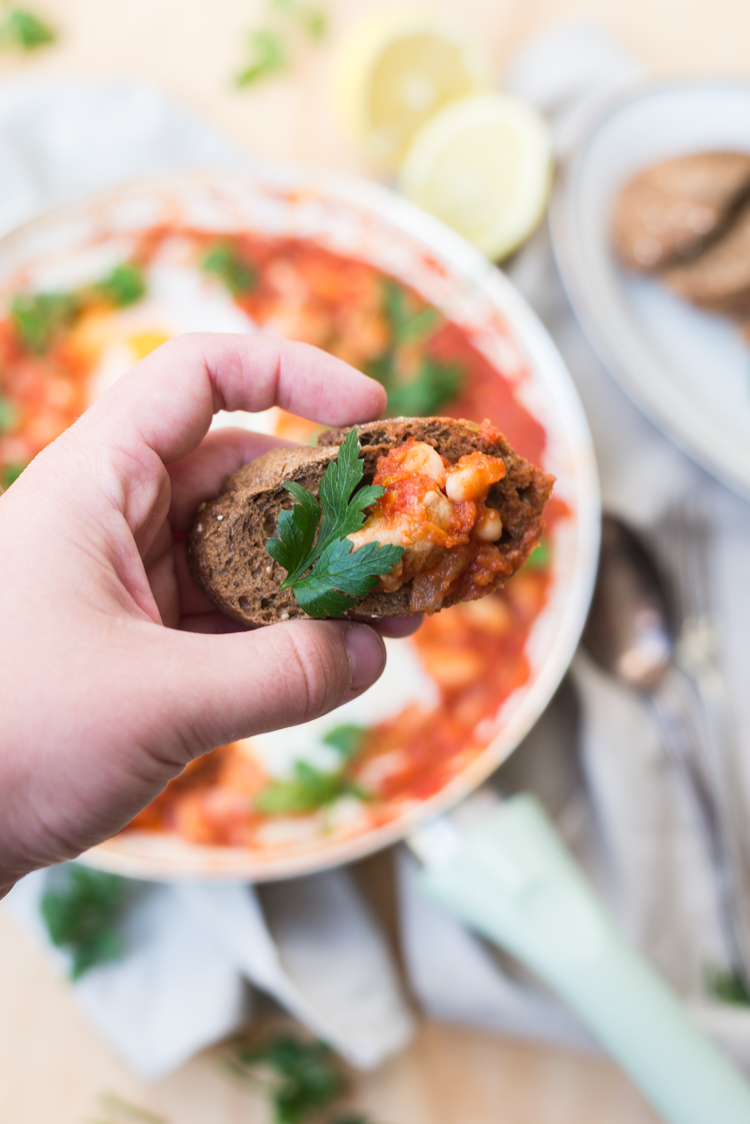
(688, 370)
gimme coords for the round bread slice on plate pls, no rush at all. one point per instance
(719, 280)
(227, 544)
(670, 212)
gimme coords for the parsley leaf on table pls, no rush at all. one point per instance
(323, 572)
(726, 986)
(82, 910)
(305, 1075)
(313, 20)
(21, 28)
(115, 1110)
(268, 56)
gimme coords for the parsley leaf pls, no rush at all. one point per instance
(115, 1110)
(336, 573)
(82, 909)
(293, 549)
(9, 474)
(308, 790)
(435, 382)
(125, 285)
(313, 20)
(340, 571)
(227, 265)
(347, 739)
(435, 385)
(726, 986)
(21, 28)
(8, 415)
(269, 56)
(38, 317)
(407, 327)
(540, 557)
(305, 1075)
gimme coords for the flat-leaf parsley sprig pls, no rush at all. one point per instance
(322, 572)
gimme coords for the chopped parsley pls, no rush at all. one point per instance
(38, 319)
(309, 789)
(435, 383)
(9, 474)
(540, 557)
(347, 739)
(82, 910)
(227, 266)
(125, 285)
(323, 572)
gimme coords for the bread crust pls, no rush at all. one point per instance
(226, 546)
(672, 211)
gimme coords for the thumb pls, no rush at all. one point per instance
(233, 686)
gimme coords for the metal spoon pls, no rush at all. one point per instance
(631, 633)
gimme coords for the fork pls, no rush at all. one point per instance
(686, 547)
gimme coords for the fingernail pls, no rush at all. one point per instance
(366, 653)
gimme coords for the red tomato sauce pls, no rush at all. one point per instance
(475, 653)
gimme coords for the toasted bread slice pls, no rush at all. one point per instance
(719, 280)
(227, 543)
(670, 212)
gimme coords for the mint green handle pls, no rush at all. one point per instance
(512, 879)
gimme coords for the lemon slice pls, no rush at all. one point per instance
(484, 166)
(398, 66)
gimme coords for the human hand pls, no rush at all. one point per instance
(115, 670)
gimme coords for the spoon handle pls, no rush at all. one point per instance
(717, 798)
(511, 878)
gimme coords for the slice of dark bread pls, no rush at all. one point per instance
(673, 210)
(227, 543)
(719, 280)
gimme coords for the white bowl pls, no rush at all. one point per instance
(361, 220)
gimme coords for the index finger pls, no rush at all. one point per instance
(166, 402)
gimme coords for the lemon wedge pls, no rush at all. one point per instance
(397, 67)
(484, 166)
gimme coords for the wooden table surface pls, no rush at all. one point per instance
(54, 1066)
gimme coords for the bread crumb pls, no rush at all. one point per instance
(284, 617)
